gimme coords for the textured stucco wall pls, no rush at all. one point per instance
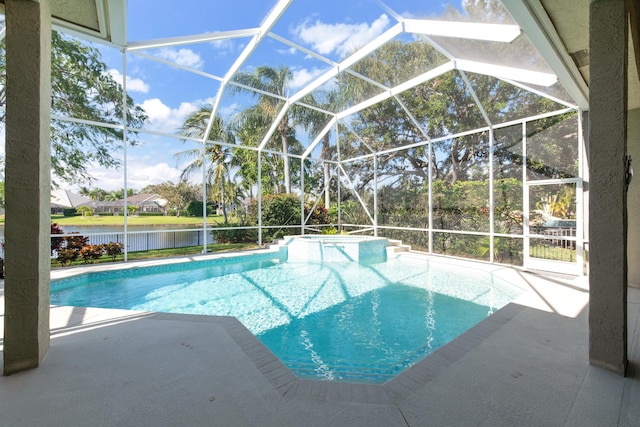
(607, 208)
(633, 199)
(27, 184)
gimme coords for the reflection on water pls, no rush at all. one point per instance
(339, 321)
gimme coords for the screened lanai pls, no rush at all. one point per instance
(486, 180)
(441, 126)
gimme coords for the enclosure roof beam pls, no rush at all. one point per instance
(463, 30)
(348, 62)
(274, 126)
(302, 49)
(173, 64)
(315, 142)
(475, 97)
(398, 89)
(542, 34)
(198, 38)
(270, 20)
(542, 94)
(265, 27)
(511, 73)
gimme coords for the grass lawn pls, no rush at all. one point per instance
(133, 220)
(165, 253)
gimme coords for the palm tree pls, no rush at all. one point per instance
(84, 191)
(195, 126)
(274, 81)
(97, 194)
(249, 127)
(315, 121)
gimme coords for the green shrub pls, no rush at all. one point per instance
(69, 212)
(194, 209)
(84, 210)
(113, 249)
(235, 235)
(277, 209)
(172, 212)
(90, 253)
(105, 214)
(67, 256)
(150, 214)
(56, 242)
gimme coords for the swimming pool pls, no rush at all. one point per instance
(342, 321)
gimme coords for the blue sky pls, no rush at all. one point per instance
(331, 28)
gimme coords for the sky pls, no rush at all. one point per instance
(168, 94)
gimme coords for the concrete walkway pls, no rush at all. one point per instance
(527, 365)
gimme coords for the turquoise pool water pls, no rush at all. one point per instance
(339, 321)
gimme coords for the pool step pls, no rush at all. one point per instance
(396, 246)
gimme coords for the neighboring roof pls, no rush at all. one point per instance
(67, 199)
(137, 199)
(141, 198)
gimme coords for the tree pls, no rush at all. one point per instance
(97, 194)
(131, 209)
(85, 210)
(441, 106)
(195, 126)
(114, 195)
(81, 88)
(315, 121)
(274, 81)
(84, 191)
(177, 195)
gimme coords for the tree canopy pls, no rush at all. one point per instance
(81, 88)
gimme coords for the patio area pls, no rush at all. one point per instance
(525, 365)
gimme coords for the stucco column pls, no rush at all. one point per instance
(607, 198)
(27, 184)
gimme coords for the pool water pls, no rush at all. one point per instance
(341, 321)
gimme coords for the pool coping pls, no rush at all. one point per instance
(288, 385)
(400, 387)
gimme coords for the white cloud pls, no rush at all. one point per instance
(289, 51)
(133, 84)
(302, 76)
(144, 175)
(163, 118)
(229, 111)
(184, 57)
(138, 176)
(340, 38)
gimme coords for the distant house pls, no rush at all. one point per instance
(65, 199)
(146, 202)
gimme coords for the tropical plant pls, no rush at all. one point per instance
(90, 253)
(315, 121)
(56, 242)
(84, 210)
(97, 194)
(131, 209)
(277, 210)
(218, 156)
(272, 85)
(113, 249)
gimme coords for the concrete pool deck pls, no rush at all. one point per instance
(525, 365)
